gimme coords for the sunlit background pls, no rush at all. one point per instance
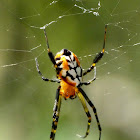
(26, 101)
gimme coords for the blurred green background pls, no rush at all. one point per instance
(26, 102)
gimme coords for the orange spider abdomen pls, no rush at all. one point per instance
(68, 70)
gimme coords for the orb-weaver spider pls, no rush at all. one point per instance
(69, 75)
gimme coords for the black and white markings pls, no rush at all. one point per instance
(69, 69)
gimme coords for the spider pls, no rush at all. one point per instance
(69, 75)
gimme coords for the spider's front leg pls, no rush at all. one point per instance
(56, 112)
(94, 110)
(87, 113)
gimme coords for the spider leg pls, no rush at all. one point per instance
(48, 48)
(87, 113)
(94, 110)
(90, 81)
(56, 112)
(98, 56)
(43, 78)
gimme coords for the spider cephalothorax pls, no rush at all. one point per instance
(70, 77)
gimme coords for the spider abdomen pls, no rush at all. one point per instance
(68, 67)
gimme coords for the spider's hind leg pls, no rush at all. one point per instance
(48, 48)
(90, 81)
(43, 78)
(98, 56)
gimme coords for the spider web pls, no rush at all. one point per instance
(78, 25)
